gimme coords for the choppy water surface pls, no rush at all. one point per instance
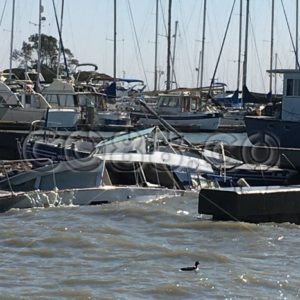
(135, 250)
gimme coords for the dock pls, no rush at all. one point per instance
(252, 204)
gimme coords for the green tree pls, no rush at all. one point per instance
(28, 55)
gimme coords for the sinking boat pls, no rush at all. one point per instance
(130, 167)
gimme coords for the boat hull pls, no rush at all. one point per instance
(96, 196)
(272, 132)
(188, 122)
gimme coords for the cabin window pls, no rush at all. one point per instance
(164, 101)
(193, 104)
(289, 87)
(293, 87)
(67, 101)
(297, 87)
(27, 99)
(186, 104)
(173, 102)
(52, 99)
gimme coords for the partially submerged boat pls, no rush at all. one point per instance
(131, 167)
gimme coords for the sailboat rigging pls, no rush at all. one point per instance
(168, 85)
(12, 39)
(222, 46)
(61, 41)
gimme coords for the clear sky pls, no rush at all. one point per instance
(88, 33)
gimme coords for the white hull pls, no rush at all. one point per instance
(95, 196)
(186, 122)
(18, 114)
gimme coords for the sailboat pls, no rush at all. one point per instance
(137, 167)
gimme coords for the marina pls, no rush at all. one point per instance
(146, 155)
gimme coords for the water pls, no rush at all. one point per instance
(134, 250)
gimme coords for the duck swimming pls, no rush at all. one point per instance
(193, 268)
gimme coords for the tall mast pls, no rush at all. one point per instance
(297, 33)
(60, 29)
(246, 48)
(169, 47)
(203, 44)
(275, 79)
(12, 39)
(39, 46)
(155, 55)
(115, 40)
(240, 45)
(271, 50)
(173, 56)
(198, 69)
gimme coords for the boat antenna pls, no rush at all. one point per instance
(60, 41)
(222, 46)
(288, 25)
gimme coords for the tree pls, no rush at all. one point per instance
(28, 55)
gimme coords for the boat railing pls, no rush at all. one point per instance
(11, 168)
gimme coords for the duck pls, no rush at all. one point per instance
(193, 268)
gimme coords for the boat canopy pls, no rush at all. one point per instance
(129, 80)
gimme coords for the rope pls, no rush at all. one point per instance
(221, 50)
(137, 42)
(288, 25)
(3, 12)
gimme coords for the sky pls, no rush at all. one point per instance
(88, 33)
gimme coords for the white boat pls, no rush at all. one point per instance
(183, 111)
(129, 167)
(20, 103)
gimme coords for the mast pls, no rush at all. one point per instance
(169, 46)
(173, 56)
(275, 79)
(271, 50)
(61, 41)
(155, 55)
(39, 46)
(12, 39)
(60, 46)
(203, 44)
(246, 49)
(198, 69)
(297, 33)
(115, 40)
(240, 46)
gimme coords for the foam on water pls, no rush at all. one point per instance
(52, 198)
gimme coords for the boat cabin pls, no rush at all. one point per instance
(62, 94)
(291, 94)
(18, 94)
(178, 103)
